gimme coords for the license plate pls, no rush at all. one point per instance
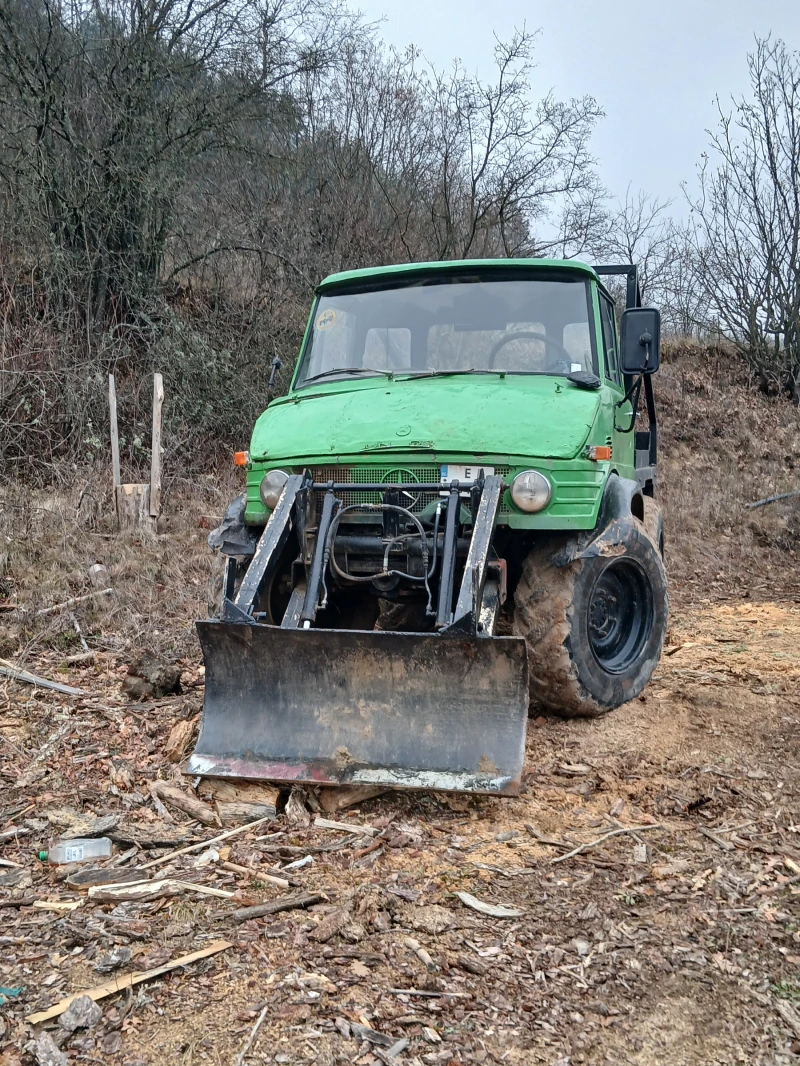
(456, 472)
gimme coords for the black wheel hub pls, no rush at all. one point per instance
(620, 615)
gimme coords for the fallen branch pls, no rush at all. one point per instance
(275, 906)
(773, 499)
(251, 1038)
(71, 603)
(45, 752)
(14, 831)
(18, 901)
(428, 994)
(205, 843)
(614, 833)
(182, 801)
(7, 670)
(376, 845)
(724, 844)
(546, 840)
(116, 984)
(79, 631)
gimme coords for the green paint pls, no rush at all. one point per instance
(467, 415)
(514, 421)
(415, 270)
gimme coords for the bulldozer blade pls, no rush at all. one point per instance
(335, 707)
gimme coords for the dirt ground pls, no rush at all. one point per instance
(676, 942)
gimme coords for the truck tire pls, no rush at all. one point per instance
(595, 627)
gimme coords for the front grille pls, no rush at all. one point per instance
(391, 475)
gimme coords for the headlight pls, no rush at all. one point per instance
(531, 491)
(271, 487)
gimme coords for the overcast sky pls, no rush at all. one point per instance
(653, 67)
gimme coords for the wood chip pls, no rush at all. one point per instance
(492, 909)
(85, 879)
(178, 740)
(344, 827)
(789, 1015)
(338, 799)
(421, 953)
(57, 905)
(331, 924)
(239, 801)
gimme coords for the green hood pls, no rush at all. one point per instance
(525, 415)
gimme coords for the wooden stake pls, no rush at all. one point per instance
(133, 507)
(112, 408)
(155, 454)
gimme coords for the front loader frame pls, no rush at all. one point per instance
(444, 709)
(482, 589)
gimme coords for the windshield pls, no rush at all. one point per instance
(458, 324)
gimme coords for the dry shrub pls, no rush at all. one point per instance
(723, 445)
(159, 580)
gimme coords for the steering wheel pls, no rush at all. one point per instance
(528, 334)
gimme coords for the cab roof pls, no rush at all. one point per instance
(421, 269)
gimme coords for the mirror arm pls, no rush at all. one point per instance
(276, 365)
(632, 394)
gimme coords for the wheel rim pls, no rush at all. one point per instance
(620, 615)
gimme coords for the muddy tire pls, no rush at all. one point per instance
(594, 628)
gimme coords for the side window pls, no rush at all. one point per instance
(609, 328)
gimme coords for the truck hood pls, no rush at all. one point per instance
(481, 414)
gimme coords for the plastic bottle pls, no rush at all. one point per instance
(80, 849)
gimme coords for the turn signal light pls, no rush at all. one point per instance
(598, 452)
(240, 458)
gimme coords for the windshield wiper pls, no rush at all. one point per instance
(450, 373)
(347, 370)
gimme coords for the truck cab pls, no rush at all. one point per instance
(448, 519)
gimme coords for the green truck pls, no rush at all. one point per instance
(448, 519)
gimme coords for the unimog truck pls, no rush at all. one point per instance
(449, 519)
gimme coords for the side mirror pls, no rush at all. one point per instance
(641, 340)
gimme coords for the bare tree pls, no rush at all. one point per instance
(745, 230)
(465, 168)
(640, 231)
(106, 106)
(176, 175)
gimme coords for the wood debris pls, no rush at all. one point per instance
(147, 890)
(182, 801)
(275, 906)
(117, 984)
(492, 909)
